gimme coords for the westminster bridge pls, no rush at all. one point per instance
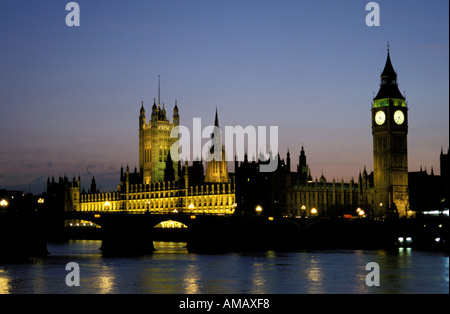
(124, 233)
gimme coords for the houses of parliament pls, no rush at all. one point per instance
(161, 185)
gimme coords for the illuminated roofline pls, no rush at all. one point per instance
(385, 102)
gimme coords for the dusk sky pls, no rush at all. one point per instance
(70, 96)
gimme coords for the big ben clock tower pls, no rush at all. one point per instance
(390, 147)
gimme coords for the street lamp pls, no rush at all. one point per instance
(313, 211)
(3, 203)
(258, 209)
(233, 207)
(107, 205)
(40, 202)
(303, 211)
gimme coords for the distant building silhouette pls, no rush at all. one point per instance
(295, 194)
(428, 191)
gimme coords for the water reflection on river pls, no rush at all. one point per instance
(171, 269)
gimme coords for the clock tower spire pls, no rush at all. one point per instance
(390, 147)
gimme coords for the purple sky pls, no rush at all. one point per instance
(70, 96)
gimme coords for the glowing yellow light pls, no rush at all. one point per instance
(191, 206)
(96, 216)
(258, 209)
(4, 203)
(313, 211)
(361, 213)
(170, 224)
(107, 204)
(40, 200)
(192, 216)
(270, 218)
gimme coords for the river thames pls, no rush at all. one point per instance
(171, 269)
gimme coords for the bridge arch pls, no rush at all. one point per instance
(80, 223)
(268, 233)
(82, 229)
(169, 229)
(170, 224)
(317, 224)
(343, 234)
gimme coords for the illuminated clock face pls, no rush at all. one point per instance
(380, 117)
(399, 117)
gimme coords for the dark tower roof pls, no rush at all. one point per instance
(169, 172)
(216, 121)
(163, 112)
(389, 74)
(389, 86)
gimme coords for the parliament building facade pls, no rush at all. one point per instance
(161, 185)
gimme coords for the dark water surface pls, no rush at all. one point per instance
(171, 269)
